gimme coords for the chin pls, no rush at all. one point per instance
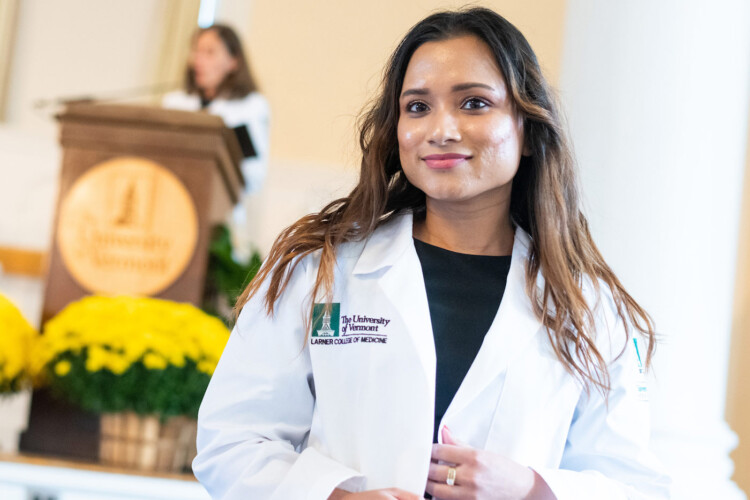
(447, 195)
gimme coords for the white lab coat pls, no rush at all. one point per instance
(285, 419)
(252, 111)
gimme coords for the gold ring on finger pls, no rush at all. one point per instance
(451, 480)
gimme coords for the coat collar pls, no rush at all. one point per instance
(386, 245)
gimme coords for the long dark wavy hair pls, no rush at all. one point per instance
(545, 200)
(238, 83)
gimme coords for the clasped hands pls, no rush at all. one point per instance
(479, 475)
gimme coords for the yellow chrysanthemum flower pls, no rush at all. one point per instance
(16, 339)
(117, 332)
(135, 340)
(154, 361)
(62, 368)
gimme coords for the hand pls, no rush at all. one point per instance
(385, 494)
(481, 474)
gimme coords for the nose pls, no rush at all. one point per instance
(444, 128)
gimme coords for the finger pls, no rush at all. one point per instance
(453, 454)
(444, 492)
(449, 438)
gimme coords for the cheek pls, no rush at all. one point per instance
(408, 150)
(409, 138)
(227, 65)
(406, 136)
(217, 65)
(502, 140)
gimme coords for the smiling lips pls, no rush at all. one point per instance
(444, 161)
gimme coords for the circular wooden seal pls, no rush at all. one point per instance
(128, 225)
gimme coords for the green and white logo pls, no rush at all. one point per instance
(326, 323)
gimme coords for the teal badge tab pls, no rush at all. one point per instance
(325, 323)
(638, 352)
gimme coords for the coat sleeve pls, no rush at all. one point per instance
(607, 450)
(255, 417)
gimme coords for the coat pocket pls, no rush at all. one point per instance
(534, 411)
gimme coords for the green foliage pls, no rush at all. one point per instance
(226, 278)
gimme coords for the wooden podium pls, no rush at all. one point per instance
(129, 177)
(140, 190)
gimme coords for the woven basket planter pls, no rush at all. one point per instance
(145, 443)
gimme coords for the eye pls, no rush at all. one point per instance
(416, 107)
(474, 103)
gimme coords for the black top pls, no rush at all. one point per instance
(464, 293)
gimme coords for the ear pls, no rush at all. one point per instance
(526, 149)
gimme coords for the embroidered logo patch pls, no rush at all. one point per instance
(330, 327)
(326, 323)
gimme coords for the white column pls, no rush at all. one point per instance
(657, 94)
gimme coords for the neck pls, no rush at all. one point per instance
(478, 230)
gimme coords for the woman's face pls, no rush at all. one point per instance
(211, 62)
(459, 138)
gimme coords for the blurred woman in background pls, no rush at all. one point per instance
(218, 80)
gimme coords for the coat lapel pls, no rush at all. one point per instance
(514, 326)
(389, 256)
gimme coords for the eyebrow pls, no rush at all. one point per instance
(456, 88)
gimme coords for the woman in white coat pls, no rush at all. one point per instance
(448, 328)
(218, 81)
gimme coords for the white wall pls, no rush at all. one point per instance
(80, 47)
